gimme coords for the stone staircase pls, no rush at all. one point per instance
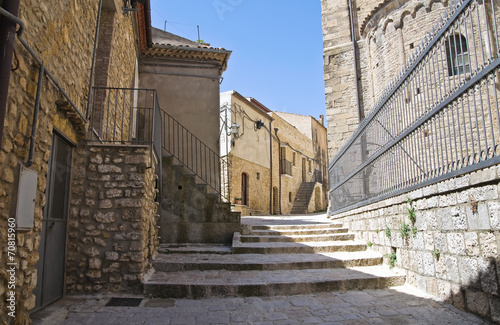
(191, 211)
(302, 198)
(270, 260)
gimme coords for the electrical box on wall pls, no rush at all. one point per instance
(26, 195)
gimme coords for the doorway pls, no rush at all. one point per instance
(244, 188)
(52, 249)
(304, 171)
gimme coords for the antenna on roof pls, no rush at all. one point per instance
(165, 26)
(198, 26)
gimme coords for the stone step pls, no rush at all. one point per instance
(194, 249)
(296, 238)
(298, 226)
(246, 262)
(223, 283)
(299, 232)
(298, 248)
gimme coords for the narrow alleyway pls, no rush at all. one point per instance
(393, 305)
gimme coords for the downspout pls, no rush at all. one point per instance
(92, 68)
(35, 116)
(280, 167)
(271, 168)
(7, 38)
(361, 114)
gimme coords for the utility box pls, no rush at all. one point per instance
(26, 196)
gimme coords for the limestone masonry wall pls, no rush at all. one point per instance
(452, 249)
(112, 220)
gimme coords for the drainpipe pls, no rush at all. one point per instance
(92, 68)
(7, 37)
(361, 114)
(271, 168)
(280, 164)
(35, 116)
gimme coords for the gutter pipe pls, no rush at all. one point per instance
(7, 37)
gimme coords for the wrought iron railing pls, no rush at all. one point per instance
(195, 155)
(286, 167)
(127, 116)
(438, 119)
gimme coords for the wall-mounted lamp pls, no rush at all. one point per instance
(259, 124)
(235, 128)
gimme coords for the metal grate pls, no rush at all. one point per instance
(124, 302)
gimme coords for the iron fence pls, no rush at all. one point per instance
(195, 155)
(127, 116)
(438, 119)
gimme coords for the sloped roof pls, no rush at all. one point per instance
(166, 44)
(166, 38)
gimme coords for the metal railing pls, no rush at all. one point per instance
(438, 119)
(286, 167)
(195, 155)
(127, 116)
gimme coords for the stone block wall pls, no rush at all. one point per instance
(112, 220)
(452, 249)
(190, 211)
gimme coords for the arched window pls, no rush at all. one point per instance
(457, 55)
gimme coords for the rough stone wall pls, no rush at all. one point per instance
(340, 83)
(62, 34)
(112, 221)
(452, 249)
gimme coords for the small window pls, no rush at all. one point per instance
(258, 175)
(293, 159)
(457, 55)
(290, 196)
(310, 167)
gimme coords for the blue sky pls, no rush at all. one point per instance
(276, 46)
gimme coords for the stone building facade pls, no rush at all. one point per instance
(267, 168)
(445, 235)
(92, 223)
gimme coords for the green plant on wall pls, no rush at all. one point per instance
(370, 244)
(404, 230)
(436, 253)
(387, 232)
(392, 259)
(410, 211)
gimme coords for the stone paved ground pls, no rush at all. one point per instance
(397, 305)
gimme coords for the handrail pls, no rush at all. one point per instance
(194, 154)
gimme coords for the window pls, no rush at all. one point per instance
(290, 197)
(294, 159)
(457, 55)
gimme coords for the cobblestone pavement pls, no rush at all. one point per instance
(396, 305)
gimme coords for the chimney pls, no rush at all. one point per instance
(321, 119)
